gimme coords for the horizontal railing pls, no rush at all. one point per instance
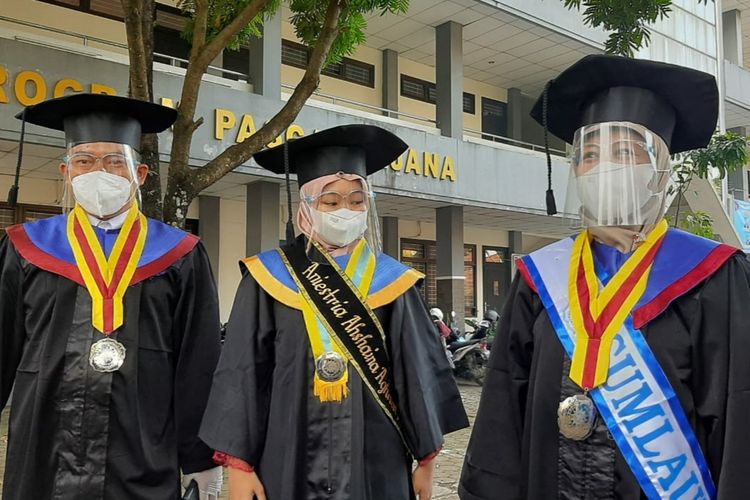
(370, 107)
(513, 142)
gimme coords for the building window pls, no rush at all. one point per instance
(425, 91)
(350, 70)
(422, 256)
(105, 8)
(24, 213)
(169, 46)
(236, 60)
(494, 118)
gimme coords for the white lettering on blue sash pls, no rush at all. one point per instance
(637, 403)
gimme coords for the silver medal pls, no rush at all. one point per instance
(576, 417)
(330, 366)
(107, 355)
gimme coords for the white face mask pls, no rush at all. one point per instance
(340, 227)
(101, 193)
(614, 194)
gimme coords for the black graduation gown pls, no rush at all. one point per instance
(76, 433)
(702, 342)
(262, 408)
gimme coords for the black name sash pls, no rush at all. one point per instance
(350, 321)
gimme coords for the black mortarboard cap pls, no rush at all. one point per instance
(100, 118)
(351, 149)
(679, 104)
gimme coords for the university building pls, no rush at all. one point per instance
(455, 79)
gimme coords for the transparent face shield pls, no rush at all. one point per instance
(618, 177)
(102, 177)
(339, 219)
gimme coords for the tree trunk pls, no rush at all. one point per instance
(139, 26)
(186, 184)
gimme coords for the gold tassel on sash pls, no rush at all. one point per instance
(331, 380)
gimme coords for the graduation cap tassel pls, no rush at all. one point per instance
(551, 205)
(13, 192)
(289, 223)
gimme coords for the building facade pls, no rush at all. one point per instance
(455, 79)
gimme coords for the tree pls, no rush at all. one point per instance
(626, 20)
(725, 153)
(332, 28)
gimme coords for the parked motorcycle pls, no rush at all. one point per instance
(470, 358)
(467, 355)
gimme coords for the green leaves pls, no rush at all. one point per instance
(626, 19)
(223, 12)
(308, 17)
(726, 152)
(699, 223)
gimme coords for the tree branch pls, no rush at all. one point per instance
(240, 153)
(222, 39)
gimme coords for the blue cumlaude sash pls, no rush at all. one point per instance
(637, 403)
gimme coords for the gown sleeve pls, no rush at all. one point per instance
(196, 323)
(429, 402)
(721, 371)
(492, 466)
(237, 415)
(12, 335)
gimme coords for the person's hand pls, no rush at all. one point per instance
(422, 480)
(245, 485)
(209, 482)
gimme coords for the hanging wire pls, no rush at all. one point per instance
(13, 192)
(550, 198)
(289, 224)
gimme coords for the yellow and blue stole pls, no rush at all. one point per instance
(360, 270)
(598, 326)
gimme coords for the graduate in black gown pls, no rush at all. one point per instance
(294, 412)
(620, 369)
(109, 325)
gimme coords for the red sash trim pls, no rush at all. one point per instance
(713, 261)
(153, 268)
(521, 266)
(41, 259)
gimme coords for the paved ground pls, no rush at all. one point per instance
(448, 466)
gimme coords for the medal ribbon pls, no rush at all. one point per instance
(107, 279)
(598, 316)
(360, 269)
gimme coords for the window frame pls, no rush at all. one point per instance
(429, 88)
(345, 62)
(85, 7)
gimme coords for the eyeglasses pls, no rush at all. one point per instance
(332, 200)
(622, 152)
(114, 163)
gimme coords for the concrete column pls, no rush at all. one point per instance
(737, 180)
(732, 33)
(449, 69)
(263, 210)
(515, 242)
(209, 208)
(389, 234)
(218, 62)
(391, 81)
(265, 59)
(515, 114)
(450, 261)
